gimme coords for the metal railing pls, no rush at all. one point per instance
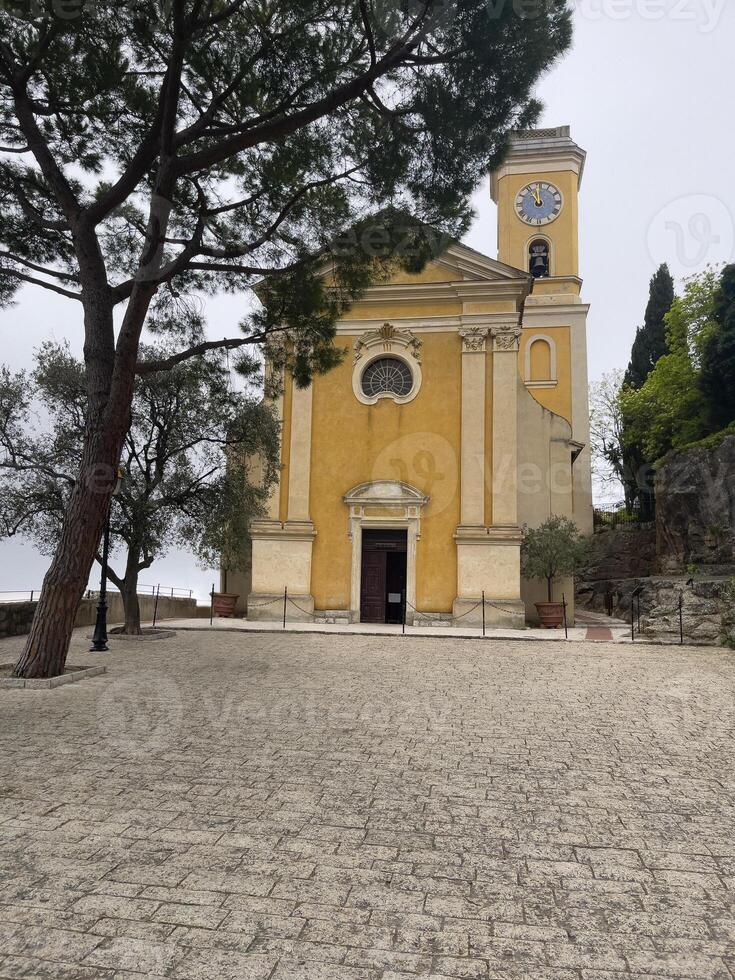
(635, 614)
(605, 519)
(171, 591)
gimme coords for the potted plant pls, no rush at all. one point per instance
(223, 603)
(555, 549)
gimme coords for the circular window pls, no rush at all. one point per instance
(387, 376)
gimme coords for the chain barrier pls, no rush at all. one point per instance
(269, 602)
(306, 612)
(462, 616)
(503, 609)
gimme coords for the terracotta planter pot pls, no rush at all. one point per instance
(551, 614)
(223, 603)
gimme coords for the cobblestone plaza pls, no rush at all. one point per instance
(302, 807)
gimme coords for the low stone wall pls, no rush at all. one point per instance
(168, 608)
(16, 617)
(626, 551)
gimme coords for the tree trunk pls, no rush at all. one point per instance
(65, 581)
(550, 583)
(110, 382)
(129, 593)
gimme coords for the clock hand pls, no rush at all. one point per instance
(537, 194)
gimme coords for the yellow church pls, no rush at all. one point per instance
(458, 416)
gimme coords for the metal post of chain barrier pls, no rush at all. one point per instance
(285, 600)
(155, 606)
(681, 619)
(564, 604)
(403, 618)
(483, 612)
(632, 618)
(635, 604)
(211, 605)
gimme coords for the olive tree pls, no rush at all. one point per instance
(198, 458)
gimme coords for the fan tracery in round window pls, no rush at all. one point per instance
(387, 376)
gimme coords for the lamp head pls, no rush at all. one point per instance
(119, 477)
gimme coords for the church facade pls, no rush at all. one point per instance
(458, 416)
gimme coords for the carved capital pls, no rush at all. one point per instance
(474, 340)
(506, 339)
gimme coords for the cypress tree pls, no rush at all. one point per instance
(717, 380)
(650, 339)
(649, 345)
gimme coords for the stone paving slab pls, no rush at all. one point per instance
(254, 806)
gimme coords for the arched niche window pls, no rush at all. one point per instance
(540, 366)
(539, 259)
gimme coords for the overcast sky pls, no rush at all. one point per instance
(647, 91)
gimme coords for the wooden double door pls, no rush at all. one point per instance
(383, 579)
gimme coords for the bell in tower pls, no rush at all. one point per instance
(538, 261)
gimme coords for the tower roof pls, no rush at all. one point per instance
(540, 150)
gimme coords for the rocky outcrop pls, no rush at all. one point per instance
(695, 509)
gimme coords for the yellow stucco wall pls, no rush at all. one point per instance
(559, 398)
(515, 236)
(418, 443)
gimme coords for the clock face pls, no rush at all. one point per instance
(539, 203)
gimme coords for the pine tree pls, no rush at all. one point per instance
(717, 380)
(650, 339)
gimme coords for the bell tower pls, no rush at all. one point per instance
(536, 190)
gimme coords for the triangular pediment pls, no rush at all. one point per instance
(386, 493)
(474, 266)
(460, 263)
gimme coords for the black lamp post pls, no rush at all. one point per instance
(99, 638)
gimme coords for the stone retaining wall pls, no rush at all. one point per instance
(626, 551)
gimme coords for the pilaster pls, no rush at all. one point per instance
(299, 471)
(472, 463)
(282, 553)
(505, 426)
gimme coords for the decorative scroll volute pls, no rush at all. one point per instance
(388, 338)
